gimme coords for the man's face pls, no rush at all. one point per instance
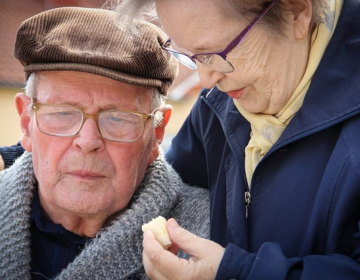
(85, 175)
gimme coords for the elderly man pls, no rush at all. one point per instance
(92, 119)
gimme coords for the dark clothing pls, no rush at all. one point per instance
(10, 154)
(52, 246)
(304, 216)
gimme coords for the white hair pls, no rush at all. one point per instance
(129, 10)
(158, 101)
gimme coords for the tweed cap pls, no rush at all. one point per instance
(88, 40)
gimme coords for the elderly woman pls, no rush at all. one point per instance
(275, 137)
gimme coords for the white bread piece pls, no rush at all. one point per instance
(158, 227)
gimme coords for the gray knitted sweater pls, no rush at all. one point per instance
(116, 252)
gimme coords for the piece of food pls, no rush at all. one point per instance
(158, 227)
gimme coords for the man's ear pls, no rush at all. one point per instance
(22, 104)
(160, 132)
(301, 14)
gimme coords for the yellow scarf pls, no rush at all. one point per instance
(266, 129)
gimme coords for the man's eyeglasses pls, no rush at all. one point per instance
(216, 60)
(67, 121)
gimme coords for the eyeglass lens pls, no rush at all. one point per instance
(120, 125)
(67, 121)
(215, 62)
(184, 59)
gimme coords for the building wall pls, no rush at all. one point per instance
(9, 119)
(181, 110)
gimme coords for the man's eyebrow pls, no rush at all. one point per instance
(120, 105)
(65, 102)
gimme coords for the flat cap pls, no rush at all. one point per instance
(89, 40)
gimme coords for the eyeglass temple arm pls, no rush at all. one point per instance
(243, 34)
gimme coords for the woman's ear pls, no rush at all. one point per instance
(160, 132)
(301, 14)
(22, 106)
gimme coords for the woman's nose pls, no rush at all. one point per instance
(208, 77)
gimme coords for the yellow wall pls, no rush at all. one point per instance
(9, 121)
(181, 109)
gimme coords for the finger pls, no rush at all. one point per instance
(205, 255)
(185, 240)
(150, 270)
(151, 249)
(160, 263)
(150, 241)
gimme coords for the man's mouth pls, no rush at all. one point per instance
(86, 175)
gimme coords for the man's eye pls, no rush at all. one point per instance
(65, 114)
(115, 119)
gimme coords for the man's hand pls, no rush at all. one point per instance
(205, 255)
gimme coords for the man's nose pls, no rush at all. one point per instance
(89, 137)
(208, 77)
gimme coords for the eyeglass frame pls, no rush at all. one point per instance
(238, 39)
(35, 106)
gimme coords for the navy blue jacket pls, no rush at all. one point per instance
(304, 216)
(11, 153)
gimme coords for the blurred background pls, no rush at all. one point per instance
(182, 94)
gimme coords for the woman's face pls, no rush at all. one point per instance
(267, 69)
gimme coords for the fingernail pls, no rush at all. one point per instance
(173, 224)
(147, 233)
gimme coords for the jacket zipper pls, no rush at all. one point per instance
(247, 203)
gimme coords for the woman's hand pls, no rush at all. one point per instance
(205, 255)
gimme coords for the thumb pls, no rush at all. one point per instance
(184, 239)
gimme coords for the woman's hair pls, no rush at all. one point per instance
(128, 11)
(158, 99)
(273, 21)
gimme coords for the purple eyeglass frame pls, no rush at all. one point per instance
(230, 46)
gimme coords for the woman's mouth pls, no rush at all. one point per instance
(236, 94)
